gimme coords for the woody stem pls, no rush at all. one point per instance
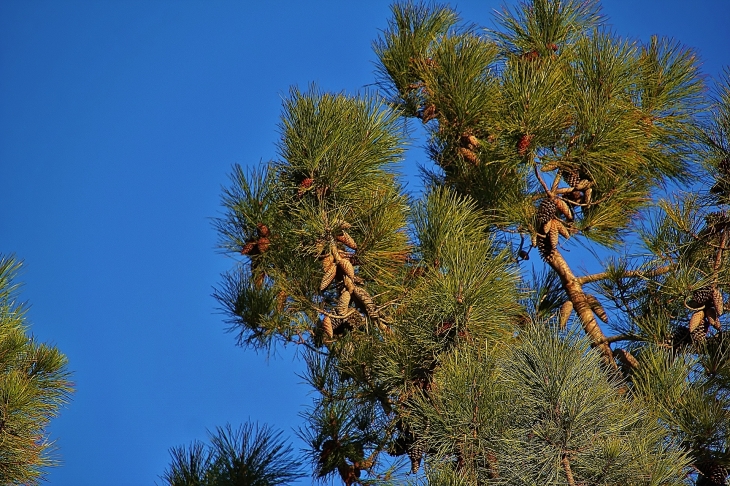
(568, 471)
(577, 296)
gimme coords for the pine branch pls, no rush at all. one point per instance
(626, 274)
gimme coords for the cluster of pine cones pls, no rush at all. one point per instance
(707, 304)
(338, 270)
(582, 186)
(468, 145)
(550, 226)
(258, 245)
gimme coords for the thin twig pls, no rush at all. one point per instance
(622, 337)
(542, 182)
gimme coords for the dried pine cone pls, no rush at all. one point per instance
(415, 453)
(469, 141)
(343, 303)
(546, 211)
(328, 277)
(545, 248)
(626, 359)
(699, 332)
(712, 474)
(571, 177)
(327, 327)
(702, 296)
(468, 155)
(564, 314)
(564, 208)
(717, 301)
(347, 240)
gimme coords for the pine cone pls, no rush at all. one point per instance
(263, 230)
(698, 327)
(281, 298)
(524, 143)
(349, 284)
(328, 262)
(327, 327)
(717, 301)
(711, 318)
(597, 308)
(415, 453)
(328, 277)
(347, 240)
(545, 248)
(561, 228)
(712, 474)
(304, 186)
(571, 177)
(468, 155)
(346, 267)
(546, 211)
(263, 243)
(530, 55)
(563, 207)
(363, 297)
(554, 233)
(703, 296)
(696, 320)
(565, 310)
(469, 141)
(248, 248)
(343, 303)
(625, 358)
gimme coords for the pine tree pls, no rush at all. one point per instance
(428, 339)
(34, 385)
(250, 455)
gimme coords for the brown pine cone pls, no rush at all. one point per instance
(702, 296)
(263, 230)
(524, 143)
(571, 177)
(546, 211)
(712, 474)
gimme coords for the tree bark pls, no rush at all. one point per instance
(568, 470)
(574, 289)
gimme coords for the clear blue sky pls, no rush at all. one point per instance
(119, 123)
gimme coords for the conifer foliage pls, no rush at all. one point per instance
(34, 385)
(435, 351)
(250, 455)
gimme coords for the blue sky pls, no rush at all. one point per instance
(119, 123)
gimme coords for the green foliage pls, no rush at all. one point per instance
(247, 456)
(34, 385)
(530, 412)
